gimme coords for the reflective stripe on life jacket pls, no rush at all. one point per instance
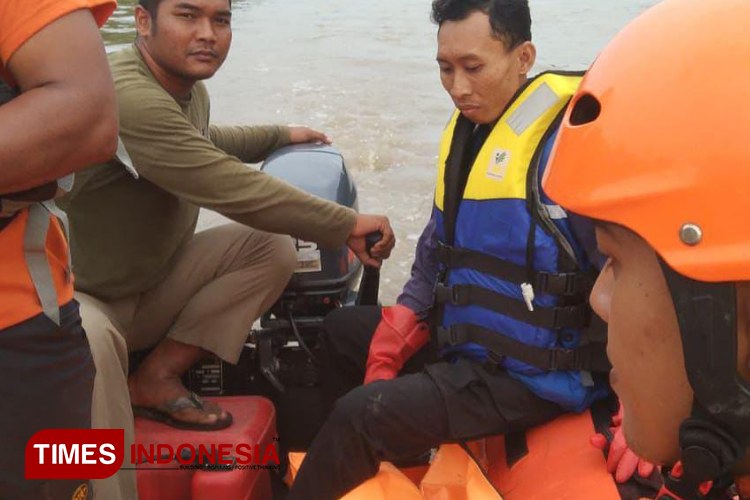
(35, 269)
(514, 287)
(35, 254)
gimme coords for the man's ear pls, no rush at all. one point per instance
(526, 53)
(743, 329)
(143, 21)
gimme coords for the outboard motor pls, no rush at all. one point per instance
(324, 277)
(280, 359)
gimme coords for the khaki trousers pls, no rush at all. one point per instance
(219, 284)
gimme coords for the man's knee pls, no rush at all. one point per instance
(269, 257)
(366, 411)
(284, 255)
(349, 410)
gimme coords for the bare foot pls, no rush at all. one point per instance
(162, 394)
(156, 384)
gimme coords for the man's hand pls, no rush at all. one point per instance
(364, 225)
(299, 135)
(622, 462)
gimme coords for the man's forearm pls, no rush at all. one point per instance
(295, 213)
(417, 294)
(249, 144)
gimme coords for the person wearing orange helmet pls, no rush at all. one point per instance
(653, 148)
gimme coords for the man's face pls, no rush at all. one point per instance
(644, 345)
(477, 70)
(189, 39)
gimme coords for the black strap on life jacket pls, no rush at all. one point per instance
(516, 447)
(465, 144)
(588, 357)
(564, 284)
(457, 168)
(575, 316)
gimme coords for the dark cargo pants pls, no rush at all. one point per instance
(46, 380)
(400, 419)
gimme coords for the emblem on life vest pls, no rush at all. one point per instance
(498, 164)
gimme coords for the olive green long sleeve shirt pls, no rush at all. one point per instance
(125, 231)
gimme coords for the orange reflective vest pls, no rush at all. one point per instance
(35, 272)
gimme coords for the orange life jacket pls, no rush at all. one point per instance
(35, 268)
(558, 462)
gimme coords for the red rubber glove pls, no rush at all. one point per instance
(398, 336)
(621, 461)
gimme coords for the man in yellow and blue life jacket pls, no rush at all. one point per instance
(500, 281)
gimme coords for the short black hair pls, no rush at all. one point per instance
(152, 6)
(510, 19)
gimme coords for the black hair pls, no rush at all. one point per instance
(510, 19)
(152, 6)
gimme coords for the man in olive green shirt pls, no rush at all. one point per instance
(141, 271)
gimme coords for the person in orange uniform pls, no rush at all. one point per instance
(654, 148)
(57, 115)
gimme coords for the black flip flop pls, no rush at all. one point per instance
(164, 413)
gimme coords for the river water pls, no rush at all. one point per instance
(364, 72)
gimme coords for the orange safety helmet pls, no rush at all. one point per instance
(656, 137)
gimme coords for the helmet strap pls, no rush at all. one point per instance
(717, 433)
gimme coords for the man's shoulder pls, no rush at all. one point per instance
(139, 96)
(20, 21)
(130, 74)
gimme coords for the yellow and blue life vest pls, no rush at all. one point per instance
(514, 284)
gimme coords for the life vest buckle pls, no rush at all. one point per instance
(564, 284)
(457, 295)
(566, 359)
(451, 336)
(577, 316)
(443, 253)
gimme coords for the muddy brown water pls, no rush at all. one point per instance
(365, 73)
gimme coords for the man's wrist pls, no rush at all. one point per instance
(285, 135)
